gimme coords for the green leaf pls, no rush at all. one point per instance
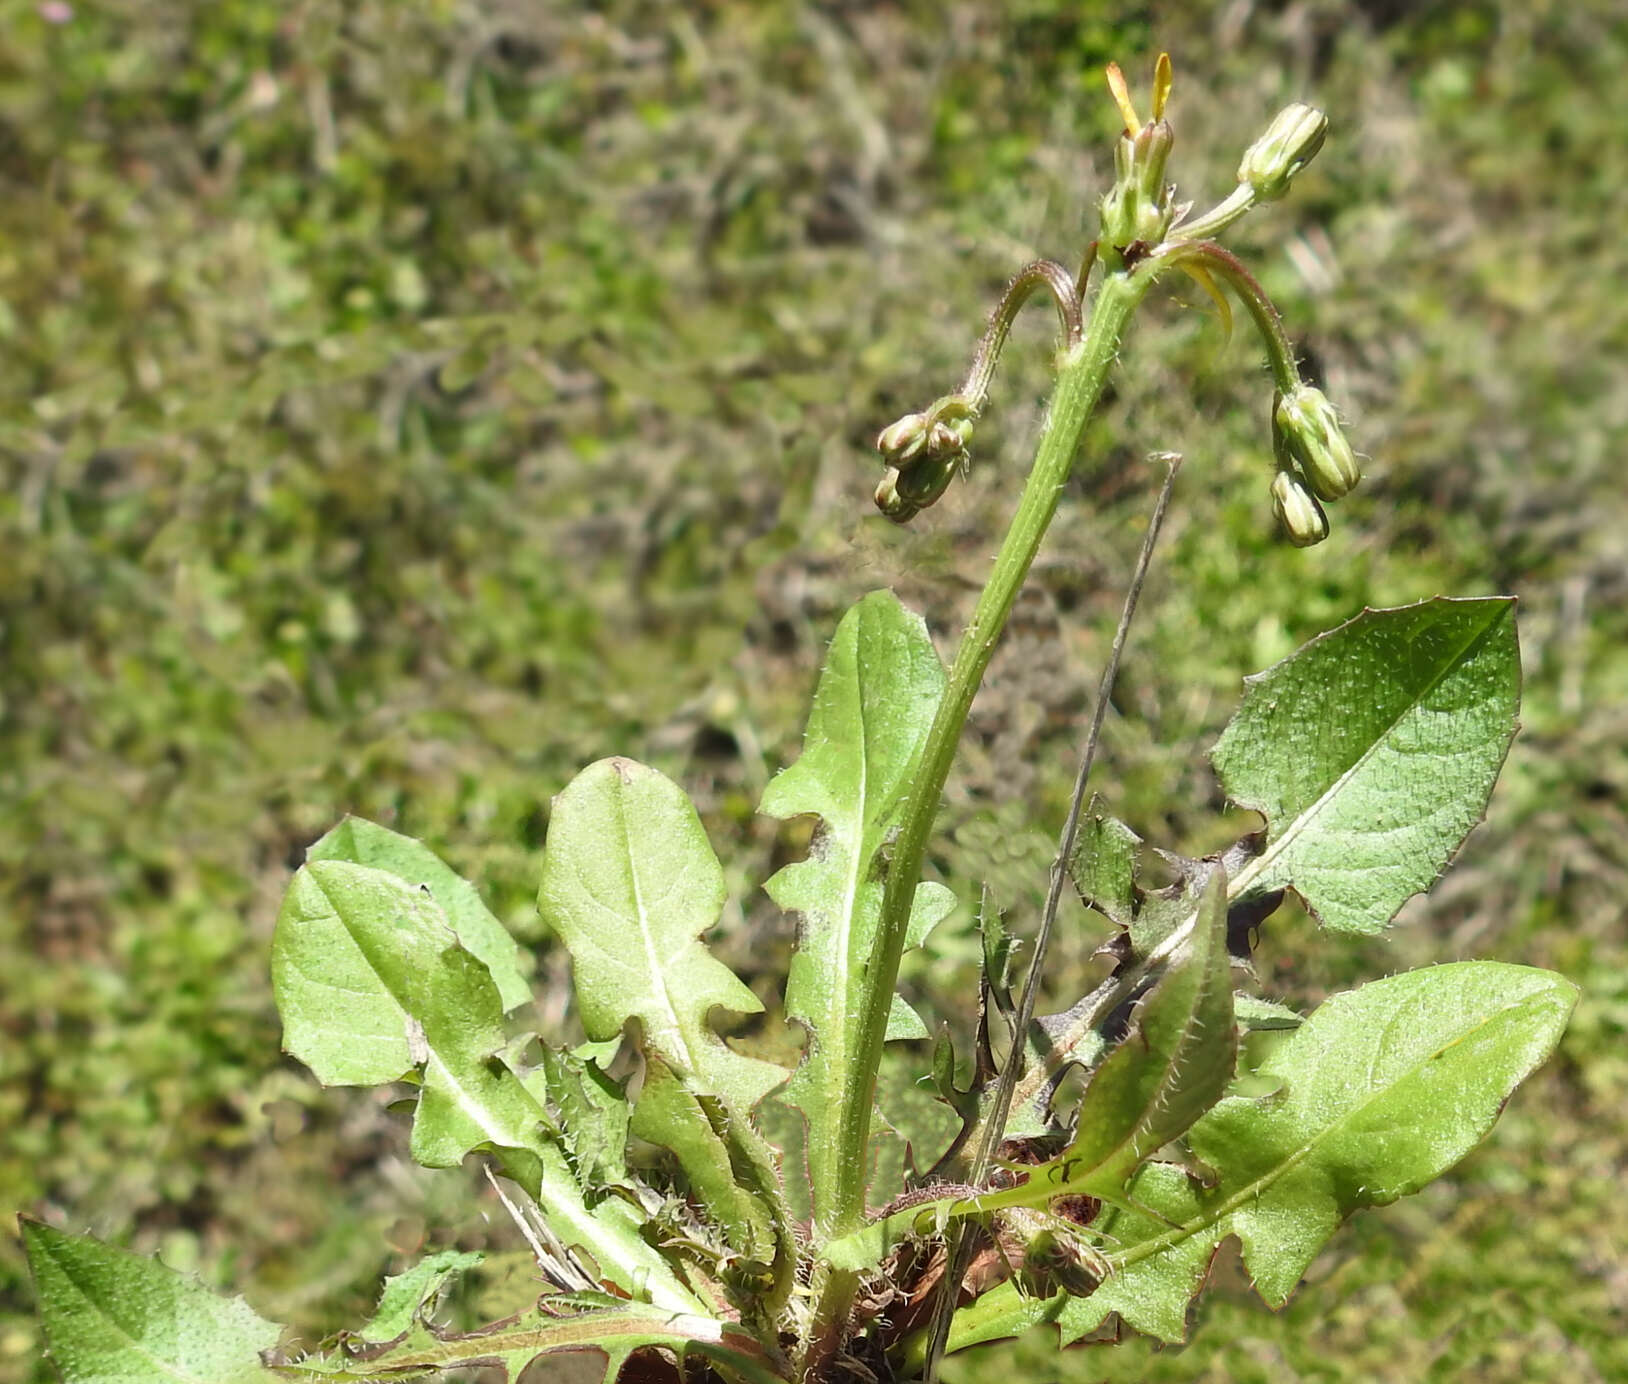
(372, 986)
(367, 843)
(610, 1229)
(872, 709)
(629, 884)
(406, 1294)
(1372, 751)
(1172, 1065)
(594, 1114)
(673, 1117)
(1103, 866)
(614, 1331)
(112, 1317)
(1383, 1089)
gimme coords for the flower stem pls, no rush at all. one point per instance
(1080, 380)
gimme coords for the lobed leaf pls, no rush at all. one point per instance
(373, 986)
(1173, 1063)
(112, 1317)
(613, 1331)
(1383, 1089)
(406, 1295)
(1371, 753)
(872, 709)
(367, 843)
(629, 884)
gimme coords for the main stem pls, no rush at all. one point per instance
(1080, 380)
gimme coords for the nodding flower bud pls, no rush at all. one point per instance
(1289, 144)
(900, 442)
(1307, 423)
(902, 495)
(923, 452)
(1297, 510)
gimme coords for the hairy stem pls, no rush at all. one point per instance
(1081, 377)
(958, 1247)
(1218, 260)
(1047, 274)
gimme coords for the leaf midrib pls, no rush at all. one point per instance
(1254, 1189)
(1259, 866)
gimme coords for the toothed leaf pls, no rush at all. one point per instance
(1384, 1088)
(112, 1317)
(629, 885)
(874, 704)
(373, 986)
(1371, 753)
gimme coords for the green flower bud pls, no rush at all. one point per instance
(901, 441)
(1289, 144)
(1297, 510)
(1138, 207)
(893, 504)
(1307, 422)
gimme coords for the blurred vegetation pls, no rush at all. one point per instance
(402, 405)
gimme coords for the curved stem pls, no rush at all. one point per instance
(1081, 377)
(1239, 202)
(1222, 262)
(1046, 274)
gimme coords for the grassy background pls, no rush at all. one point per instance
(402, 405)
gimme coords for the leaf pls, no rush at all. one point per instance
(1103, 866)
(614, 1331)
(584, 1242)
(373, 985)
(671, 1116)
(1384, 1088)
(112, 1317)
(594, 1115)
(406, 1294)
(1172, 1065)
(367, 843)
(629, 883)
(1263, 1016)
(1371, 753)
(872, 709)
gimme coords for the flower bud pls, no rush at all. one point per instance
(888, 499)
(1289, 144)
(902, 495)
(1297, 510)
(1307, 422)
(902, 440)
(1138, 207)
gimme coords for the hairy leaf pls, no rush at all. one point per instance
(1172, 1065)
(629, 884)
(406, 1295)
(367, 843)
(610, 1230)
(1371, 753)
(593, 1110)
(373, 986)
(1384, 1088)
(112, 1317)
(874, 704)
(610, 1330)
(1103, 866)
(672, 1116)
